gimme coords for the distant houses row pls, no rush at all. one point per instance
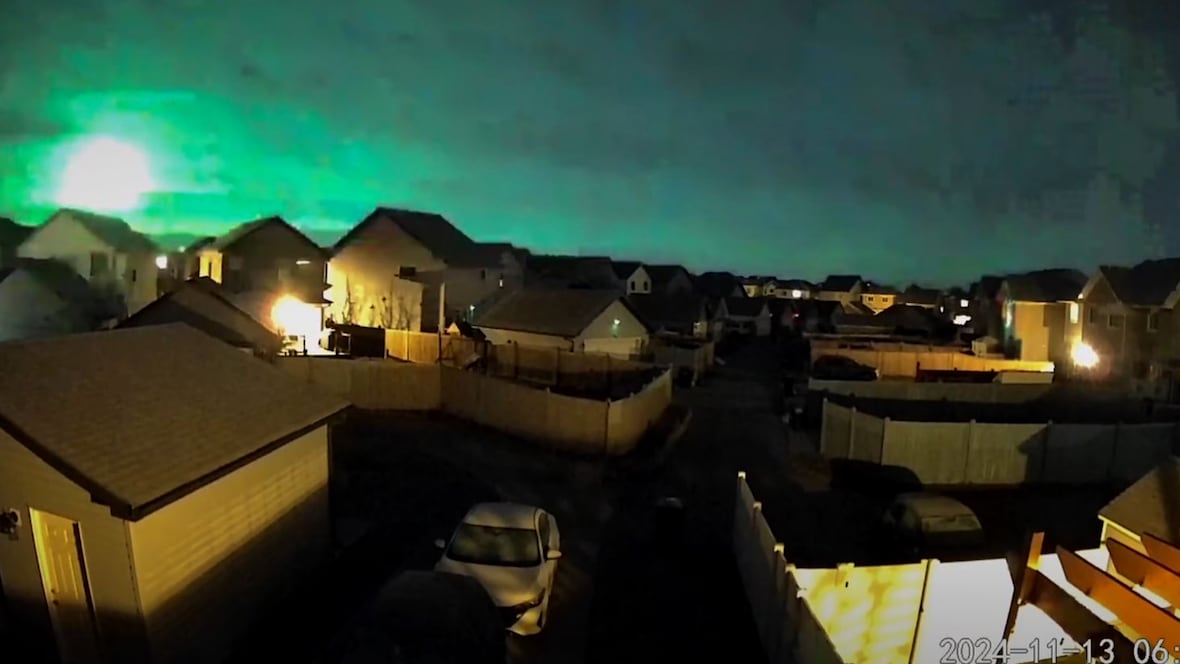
(402, 269)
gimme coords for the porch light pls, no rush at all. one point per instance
(302, 261)
(962, 304)
(296, 318)
(796, 294)
(162, 262)
(1084, 355)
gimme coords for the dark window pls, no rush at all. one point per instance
(133, 276)
(99, 264)
(646, 286)
(1114, 321)
(1091, 315)
(483, 275)
(1153, 321)
(406, 271)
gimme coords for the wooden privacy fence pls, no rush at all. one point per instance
(957, 392)
(890, 614)
(697, 358)
(906, 363)
(987, 453)
(574, 424)
(424, 348)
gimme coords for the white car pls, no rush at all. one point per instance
(512, 550)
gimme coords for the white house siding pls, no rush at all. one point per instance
(29, 310)
(208, 563)
(639, 282)
(502, 337)
(67, 240)
(599, 335)
(27, 481)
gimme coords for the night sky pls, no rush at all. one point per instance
(905, 140)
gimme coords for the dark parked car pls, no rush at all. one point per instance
(932, 526)
(839, 367)
(430, 618)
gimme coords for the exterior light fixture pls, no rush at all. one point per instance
(1084, 355)
(796, 294)
(302, 261)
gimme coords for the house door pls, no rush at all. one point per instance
(67, 590)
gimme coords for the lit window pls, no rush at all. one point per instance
(963, 305)
(1074, 310)
(796, 294)
(162, 262)
(501, 282)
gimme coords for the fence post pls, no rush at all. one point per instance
(967, 451)
(916, 640)
(851, 431)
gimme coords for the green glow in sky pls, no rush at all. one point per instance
(105, 174)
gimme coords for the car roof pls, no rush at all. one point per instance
(502, 515)
(932, 505)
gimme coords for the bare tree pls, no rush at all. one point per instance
(348, 306)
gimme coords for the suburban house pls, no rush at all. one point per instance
(682, 314)
(917, 296)
(795, 289)
(987, 315)
(1128, 317)
(12, 235)
(759, 286)
(578, 320)
(200, 303)
(817, 316)
(161, 503)
(716, 285)
(669, 279)
(782, 314)
(633, 276)
(585, 272)
(459, 277)
(275, 273)
(878, 297)
(1036, 309)
(118, 262)
(957, 307)
(840, 288)
(44, 298)
(747, 315)
(1146, 509)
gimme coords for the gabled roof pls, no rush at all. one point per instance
(595, 272)
(915, 294)
(200, 304)
(243, 231)
(140, 417)
(745, 306)
(1151, 504)
(662, 274)
(549, 311)
(988, 287)
(624, 269)
(433, 231)
(56, 276)
(879, 289)
(200, 244)
(1046, 286)
(112, 231)
(717, 284)
(658, 309)
(909, 318)
(1148, 284)
(796, 284)
(840, 283)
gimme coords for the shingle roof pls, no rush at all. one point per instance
(550, 311)
(796, 284)
(242, 231)
(433, 231)
(1150, 505)
(1046, 285)
(717, 284)
(624, 269)
(841, 283)
(658, 309)
(662, 274)
(198, 303)
(596, 272)
(141, 416)
(58, 277)
(918, 295)
(12, 233)
(744, 306)
(111, 230)
(879, 289)
(1148, 284)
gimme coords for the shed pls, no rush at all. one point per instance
(156, 518)
(570, 319)
(1149, 506)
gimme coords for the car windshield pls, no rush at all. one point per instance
(488, 545)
